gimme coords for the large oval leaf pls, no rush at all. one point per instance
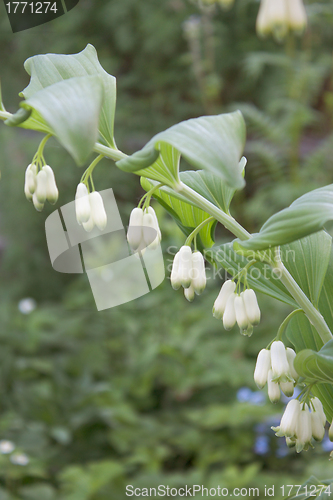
(47, 69)
(307, 215)
(71, 109)
(212, 143)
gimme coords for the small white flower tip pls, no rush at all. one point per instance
(152, 212)
(262, 368)
(273, 388)
(318, 407)
(227, 289)
(229, 316)
(241, 317)
(251, 306)
(89, 225)
(134, 233)
(189, 293)
(97, 210)
(185, 265)
(30, 183)
(198, 273)
(174, 277)
(38, 206)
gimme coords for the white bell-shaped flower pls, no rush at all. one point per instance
(289, 420)
(134, 233)
(279, 361)
(30, 181)
(220, 303)
(229, 316)
(82, 204)
(318, 408)
(273, 388)
(291, 355)
(287, 388)
(150, 234)
(318, 429)
(185, 266)
(263, 365)
(303, 429)
(297, 18)
(152, 212)
(174, 277)
(38, 206)
(240, 312)
(52, 193)
(251, 306)
(40, 192)
(89, 225)
(97, 210)
(198, 273)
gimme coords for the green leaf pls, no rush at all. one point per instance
(187, 216)
(212, 143)
(47, 69)
(71, 108)
(165, 166)
(325, 300)
(316, 365)
(307, 215)
(260, 276)
(303, 262)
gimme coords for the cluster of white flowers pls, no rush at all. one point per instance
(279, 16)
(40, 186)
(233, 308)
(7, 448)
(276, 368)
(89, 209)
(188, 271)
(143, 230)
(299, 424)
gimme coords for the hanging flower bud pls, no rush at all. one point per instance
(318, 408)
(189, 293)
(38, 206)
(41, 187)
(251, 306)
(89, 225)
(97, 210)
(150, 235)
(152, 212)
(273, 388)
(241, 317)
(296, 15)
(52, 192)
(227, 289)
(198, 273)
(280, 365)
(291, 355)
(303, 429)
(134, 233)
(318, 429)
(82, 205)
(287, 388)
(185, 266)
(229, 316)
(262, 368)
(174, 277)
(30, 183)
(289, 420)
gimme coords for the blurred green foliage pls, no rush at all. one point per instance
(155, 391)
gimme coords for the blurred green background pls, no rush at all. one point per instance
(154, 391)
